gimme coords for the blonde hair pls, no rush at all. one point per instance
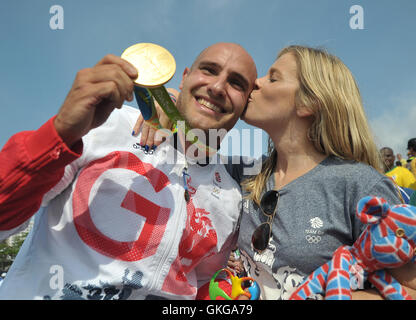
(340, 126)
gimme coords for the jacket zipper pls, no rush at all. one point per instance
(168, 251)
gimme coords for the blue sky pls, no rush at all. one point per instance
(38, 64)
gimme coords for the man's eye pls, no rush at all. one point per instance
(237, 85)
(208, 70)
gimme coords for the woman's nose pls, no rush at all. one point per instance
(257, 84)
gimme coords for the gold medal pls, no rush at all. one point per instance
(155, 64)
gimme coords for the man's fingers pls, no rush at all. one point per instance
(85, 108)
(93, 96)
(104, 94)
(109, 72)
(108, 90)
(124, 64)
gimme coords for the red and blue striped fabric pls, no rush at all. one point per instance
(388, 241)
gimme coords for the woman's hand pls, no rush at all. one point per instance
(405, 275)
(235, 264)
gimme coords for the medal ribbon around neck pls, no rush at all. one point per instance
(156, 66)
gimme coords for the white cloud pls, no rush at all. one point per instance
(394, 127)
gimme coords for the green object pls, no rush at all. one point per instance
(215, 290)
(165, 101)
(163, 98)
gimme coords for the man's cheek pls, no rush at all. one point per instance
(240, 106)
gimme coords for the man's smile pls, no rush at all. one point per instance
(210, 105)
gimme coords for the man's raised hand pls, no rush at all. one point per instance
(94, 94)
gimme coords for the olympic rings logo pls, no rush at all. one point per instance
(313, 239)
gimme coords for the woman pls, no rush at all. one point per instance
(322, 159)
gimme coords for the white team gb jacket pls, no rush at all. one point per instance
(117, 225)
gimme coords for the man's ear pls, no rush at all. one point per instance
(184, 75)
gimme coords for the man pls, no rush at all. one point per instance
(411, 147)
(114, 222)
(402, 176)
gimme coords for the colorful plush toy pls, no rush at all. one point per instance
(387, 242)
(237, 287)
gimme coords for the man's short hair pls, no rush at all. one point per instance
(386, 148)
(411, 144)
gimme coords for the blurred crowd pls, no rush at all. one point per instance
(402, 170)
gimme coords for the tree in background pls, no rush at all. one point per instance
(9, 249)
